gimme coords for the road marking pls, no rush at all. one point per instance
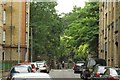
(60, 70)
(57, 70)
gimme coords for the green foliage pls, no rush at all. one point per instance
(73, 36)
(82, 51)
(81, 32)
(47, 27)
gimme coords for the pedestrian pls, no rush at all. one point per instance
(86, 74)
(57, 65)
(63, 64)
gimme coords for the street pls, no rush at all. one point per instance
(55, 39)
(64, 74)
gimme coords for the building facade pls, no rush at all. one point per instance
(1, 30)
(16, 33)
(1, 38)
(109, 32)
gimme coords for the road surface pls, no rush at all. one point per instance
(64, 74)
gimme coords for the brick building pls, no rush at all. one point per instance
(16, 33)
(1, 31)
(109, 32)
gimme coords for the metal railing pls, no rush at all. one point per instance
(5, 68)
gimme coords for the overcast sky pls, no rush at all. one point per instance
(65, 6)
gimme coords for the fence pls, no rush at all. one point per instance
(6, 66)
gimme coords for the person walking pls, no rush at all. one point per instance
(63, 64)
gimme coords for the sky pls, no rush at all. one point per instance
(66, 6)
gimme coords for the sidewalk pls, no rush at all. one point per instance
(5, 74)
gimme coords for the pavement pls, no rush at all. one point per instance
(5, 74)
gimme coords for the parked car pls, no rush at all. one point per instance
(32, 76)
(78, 66)
(98, 71)
(29, 64)
(43, 67)
(89, 67)
(18, 69)
(111, 74)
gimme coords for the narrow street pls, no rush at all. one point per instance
(58, 38)
(64, 74)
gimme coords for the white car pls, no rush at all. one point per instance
(43, 67)
(31, 76)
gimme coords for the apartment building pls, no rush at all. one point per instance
(1, 39)
(1, 31)
(109, 32)
(16, 25)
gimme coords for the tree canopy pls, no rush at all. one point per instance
(47, 27)
(81, 33)
(73, 36)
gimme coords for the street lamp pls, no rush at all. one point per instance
(31, 45)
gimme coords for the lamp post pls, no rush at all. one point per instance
(31, 45)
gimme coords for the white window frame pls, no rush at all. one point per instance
(26, 17)
(4, 2)
(4, 17)
(4, 35)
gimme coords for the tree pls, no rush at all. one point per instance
(47, 27)
(81, 34)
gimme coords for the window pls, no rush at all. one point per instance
(105, 46)
(4, 2)
(112, 14)
(109, 27)
(102, 47)
(3, 56)
(116, 42)
(112, 28)
(117, 23)
(0, 2)
(105, 33)
(26, 18)
(26, 38)
(106, 4)
(4, 37)
(4, 17)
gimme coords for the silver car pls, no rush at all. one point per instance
(19, 69)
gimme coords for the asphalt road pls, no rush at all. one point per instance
(64, 74)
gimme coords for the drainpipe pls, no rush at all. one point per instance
(11, 33)
(19, 30)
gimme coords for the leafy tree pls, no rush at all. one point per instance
(47, 27)
(81, 32)
(73, 36)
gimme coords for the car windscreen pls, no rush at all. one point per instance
(80, 64)
(20, 69)
(101, 69)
